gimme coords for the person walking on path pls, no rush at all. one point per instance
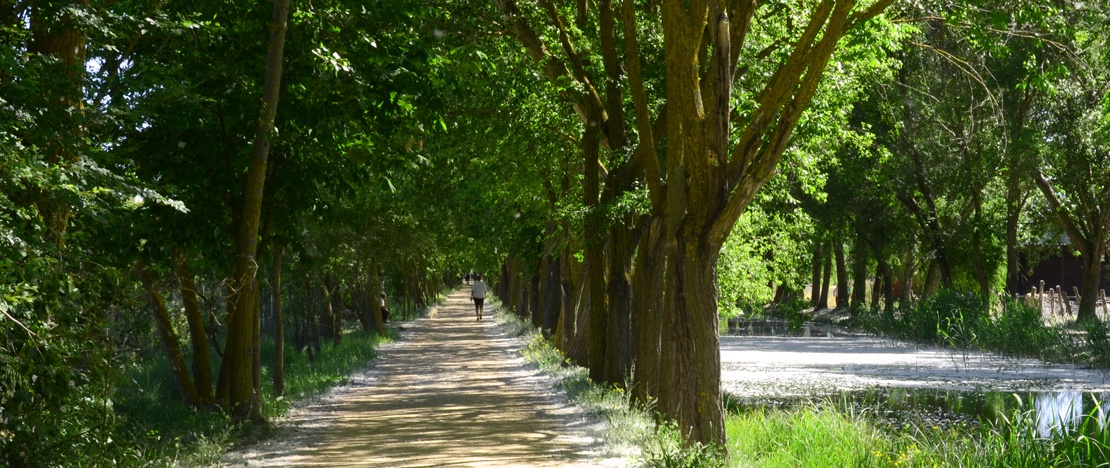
(478, 293)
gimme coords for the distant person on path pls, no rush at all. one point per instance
(478, 293)
(466, 279)
(385, 310)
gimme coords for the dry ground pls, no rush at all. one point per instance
(452, 392)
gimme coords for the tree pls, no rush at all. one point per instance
(1076, 145)
(239, 386)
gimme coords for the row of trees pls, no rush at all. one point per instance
(677, 161)
(175, 175)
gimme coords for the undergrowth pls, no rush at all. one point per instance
(966, 321)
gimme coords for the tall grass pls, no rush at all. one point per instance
(824, 435)
(965, 321)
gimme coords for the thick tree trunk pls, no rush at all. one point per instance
(202, 360)
(279, 323)
(932, 279)
(618, 350)
(237, 392)
(579, 351)
(1092, 274)
(647, 309)
(169, 339)
(690, 371)
(554, 297)
(595, 255)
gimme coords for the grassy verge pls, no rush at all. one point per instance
(156, 427)
(633, 432)
(161, 429)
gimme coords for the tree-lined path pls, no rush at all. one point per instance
(453, 392)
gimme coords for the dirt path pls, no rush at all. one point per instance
(452, 392)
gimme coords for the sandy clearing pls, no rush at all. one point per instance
(776, 366)
(452, 392)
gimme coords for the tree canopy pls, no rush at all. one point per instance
(182, 179)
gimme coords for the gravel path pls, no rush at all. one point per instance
(452, 392)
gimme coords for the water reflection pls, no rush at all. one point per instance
(1059, 413)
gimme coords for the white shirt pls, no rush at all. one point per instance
(479, 290)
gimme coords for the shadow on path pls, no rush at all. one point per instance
(454, 393)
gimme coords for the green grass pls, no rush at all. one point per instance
(633, 431)
(823, 435)
(159, 428)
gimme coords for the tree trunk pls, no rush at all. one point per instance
(618, 340)
(647, 307)
(595, 255)
(536, 303)
(376, 299)
(888, 286)
(815, 278)
(1092, 275)
(826, 277)
(202, 360)
(572, 304)
(554, 295)
(1014, 204)
(169, 339)
(841, 275)
(690, 370)
(859, 275)
(279, 323)
(237, 392)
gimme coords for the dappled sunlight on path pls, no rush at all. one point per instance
(453, 393)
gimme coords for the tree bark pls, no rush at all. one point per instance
(595, 257)
(841, 274)
(618, 292)
(554, 295)
(169, 339)
(238, 395)
(202, 360)
(815, 278)
(647, 309)
(826, 277)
